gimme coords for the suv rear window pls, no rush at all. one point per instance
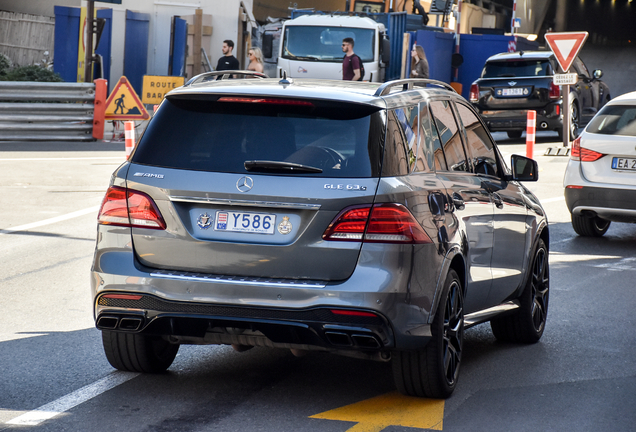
(219, 136)
(516, 68)
(614, 120)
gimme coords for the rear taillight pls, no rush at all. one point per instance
(125, 207)
(382, 223)
(582, 154)
(474, 93)
(555, 91)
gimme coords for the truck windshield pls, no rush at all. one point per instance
(316, 43)
(516, 68)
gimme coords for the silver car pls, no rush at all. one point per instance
(369, 220)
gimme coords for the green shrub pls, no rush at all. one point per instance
(31, 73)
(5, 64)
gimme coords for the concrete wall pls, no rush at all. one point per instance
(36, 7)
(617, 63)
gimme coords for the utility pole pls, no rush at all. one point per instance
(90, 27)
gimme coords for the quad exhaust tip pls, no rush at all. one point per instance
(124, 323)
(357, 340)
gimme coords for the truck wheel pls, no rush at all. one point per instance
(432, 372)
(138, 353)
(526, 324)
(590, 227)
(514, 134)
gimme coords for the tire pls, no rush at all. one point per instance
(432, 372)
(575, 120)
(590, 227)
(526, 324)
(138, 353)
(514, 134)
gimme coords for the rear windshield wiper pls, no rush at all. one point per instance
(266, 165)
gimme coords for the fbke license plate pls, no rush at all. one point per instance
(516, 91)
(256, 223)
(628, 164)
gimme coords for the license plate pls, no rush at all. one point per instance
(627, 164)
(255, 223)
(517, 91)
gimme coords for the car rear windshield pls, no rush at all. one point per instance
(614, 120)
(516, 68)
(239, 135)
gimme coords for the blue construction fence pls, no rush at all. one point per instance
(474, 48)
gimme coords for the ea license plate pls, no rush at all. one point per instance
(627, 164)
(515, 91)
(255, 223)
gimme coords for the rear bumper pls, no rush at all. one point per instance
(213, 309)
(617, 205)
(514, 120)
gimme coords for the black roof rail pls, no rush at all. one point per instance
(222, 75)
(409, 83)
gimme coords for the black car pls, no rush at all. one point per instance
(513, 83)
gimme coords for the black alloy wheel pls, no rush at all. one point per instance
(433, 371)
(526, 324)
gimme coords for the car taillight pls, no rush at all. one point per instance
(474, 93)
(125, 207)
(582, 154)
(273, 101)
(382, 223)
(555, 91)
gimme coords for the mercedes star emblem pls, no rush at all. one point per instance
(245, 184)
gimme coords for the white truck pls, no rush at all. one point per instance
(311, 46)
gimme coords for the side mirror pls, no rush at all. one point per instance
(597, 74)
(524, 169)
(386, 51)
(268, 42)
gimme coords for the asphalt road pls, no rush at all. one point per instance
(581, 376)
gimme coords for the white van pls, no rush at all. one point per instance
(311, 46)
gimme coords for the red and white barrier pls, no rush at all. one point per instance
(129, 133)
(531, 130)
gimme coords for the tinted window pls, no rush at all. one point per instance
(325, 43)
(220, 136)
(516, 68)
(614, 120)
(449, 136)
(479, 144)
(397, 154)
(427, 142)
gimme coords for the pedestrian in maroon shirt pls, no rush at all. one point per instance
(351, 62)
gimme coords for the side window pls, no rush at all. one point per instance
(407, 118)
(580, 67)
(396, 157)
(480, 146)
(429, 142)
(449, 135)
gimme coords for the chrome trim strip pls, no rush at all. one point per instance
(246, 203)
(237, 280)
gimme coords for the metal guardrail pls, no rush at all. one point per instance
(38, 111)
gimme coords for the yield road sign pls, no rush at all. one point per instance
(124, 104)
(566, 46)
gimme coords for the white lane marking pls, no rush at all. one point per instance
(65, 159)
(549, 200)
(51, 220)
(71, 400)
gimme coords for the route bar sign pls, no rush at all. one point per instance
(156, 87)
(124, 104)
(565, 79)
(566, 46)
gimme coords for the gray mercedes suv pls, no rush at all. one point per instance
(369, 220)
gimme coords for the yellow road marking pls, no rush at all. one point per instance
(391, 409)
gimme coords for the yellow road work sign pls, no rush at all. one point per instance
(392, 409)
(124, 104)
(156, 87)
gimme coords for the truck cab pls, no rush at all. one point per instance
(311, 46)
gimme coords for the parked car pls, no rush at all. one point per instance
(374, 221)
(511, 84)
(600, 179)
